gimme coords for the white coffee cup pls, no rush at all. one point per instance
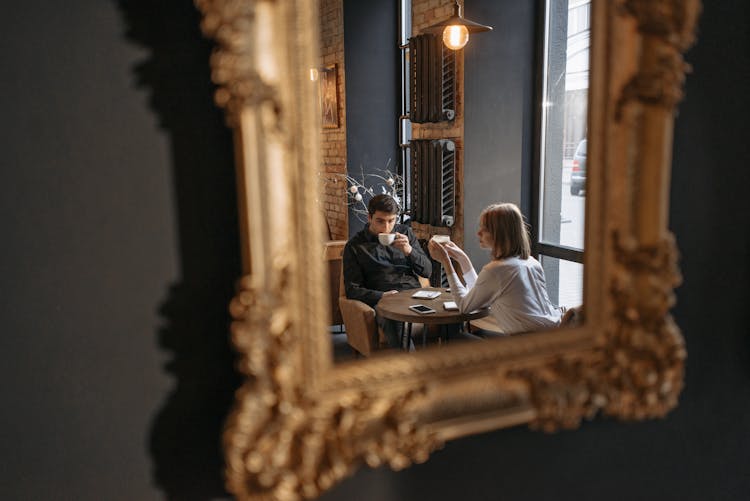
(441, 239)
(386, 238)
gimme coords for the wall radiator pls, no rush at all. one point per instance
(433, 80)
(432, 181)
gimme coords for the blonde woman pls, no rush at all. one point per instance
(512, 284)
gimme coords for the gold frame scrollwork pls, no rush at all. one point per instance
(300, 424)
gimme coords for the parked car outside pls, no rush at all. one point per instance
(578, 173)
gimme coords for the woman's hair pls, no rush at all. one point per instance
(510, 237)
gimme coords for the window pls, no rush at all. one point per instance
(558, 200)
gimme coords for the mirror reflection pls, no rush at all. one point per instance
(443, 135)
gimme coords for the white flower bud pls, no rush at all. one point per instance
(353, 189)
(389, 181)
(358, 197)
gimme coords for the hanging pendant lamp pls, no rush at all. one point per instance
(456, 29)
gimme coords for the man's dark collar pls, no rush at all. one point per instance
(371, 237)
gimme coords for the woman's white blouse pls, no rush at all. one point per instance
(514, 289)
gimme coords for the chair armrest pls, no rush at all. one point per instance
(359, 319)
(573, 317)
(334, 249)
(488, 324)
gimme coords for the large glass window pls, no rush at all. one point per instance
(561, 174)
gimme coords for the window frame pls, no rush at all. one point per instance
(538, 247)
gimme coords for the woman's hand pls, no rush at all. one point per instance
(454, 250)
(438, 252)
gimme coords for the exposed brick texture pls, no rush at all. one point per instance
(333, 141)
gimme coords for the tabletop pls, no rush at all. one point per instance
(396, 307)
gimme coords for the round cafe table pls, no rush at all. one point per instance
(396, 307)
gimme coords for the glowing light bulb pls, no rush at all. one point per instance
(455, 36)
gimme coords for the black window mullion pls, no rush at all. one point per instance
(558, 251)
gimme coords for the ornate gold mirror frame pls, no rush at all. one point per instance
(300, 424)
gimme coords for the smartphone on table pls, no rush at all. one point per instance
(420, 308)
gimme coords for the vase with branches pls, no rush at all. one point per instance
(361, 189)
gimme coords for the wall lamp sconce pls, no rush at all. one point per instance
(456, 29)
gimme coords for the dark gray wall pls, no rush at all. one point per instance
(372, 91)
(119, 251)
(498, 124)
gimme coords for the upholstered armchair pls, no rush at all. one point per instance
(362, 332)
(359, 320)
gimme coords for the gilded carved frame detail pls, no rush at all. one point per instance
(299, 424)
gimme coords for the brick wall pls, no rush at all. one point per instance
(333, 141)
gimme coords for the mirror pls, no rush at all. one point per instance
(490, 130)
(300, 424)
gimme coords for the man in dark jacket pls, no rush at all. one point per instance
(372, 270)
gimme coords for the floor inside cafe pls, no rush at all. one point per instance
(343, 352)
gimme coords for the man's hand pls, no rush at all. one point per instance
(401, 243)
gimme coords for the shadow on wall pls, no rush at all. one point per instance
(185, 433)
